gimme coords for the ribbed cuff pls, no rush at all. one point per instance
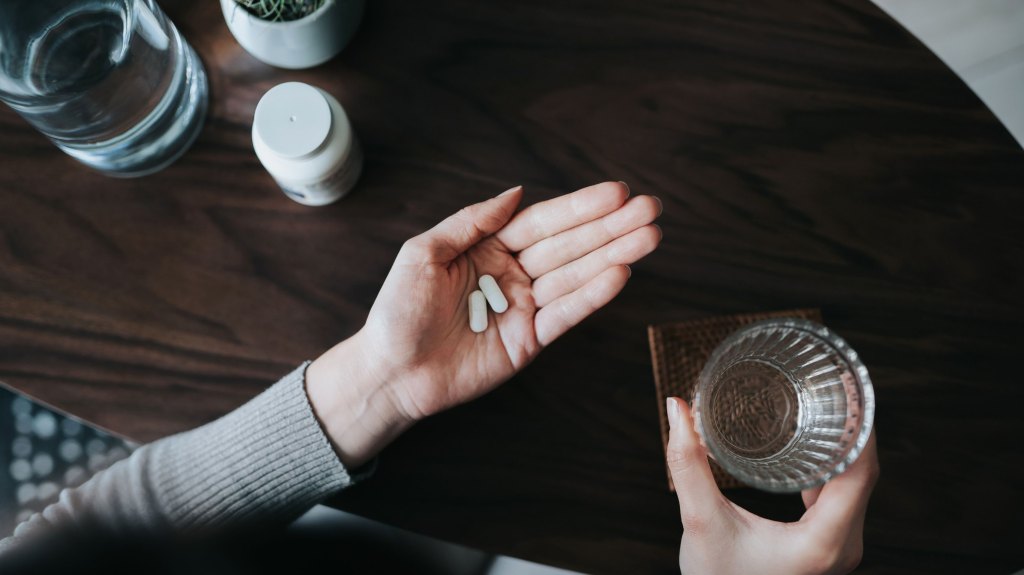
(267, 460)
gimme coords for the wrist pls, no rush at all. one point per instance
(354, 402)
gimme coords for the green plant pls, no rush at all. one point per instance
(280, 10)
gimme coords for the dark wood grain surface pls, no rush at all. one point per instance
(808, 154)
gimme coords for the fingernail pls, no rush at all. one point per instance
(509, 191)
(629, 270)
(661, 206)
(673, 411)
(628, 191)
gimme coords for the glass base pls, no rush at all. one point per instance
(164, 135)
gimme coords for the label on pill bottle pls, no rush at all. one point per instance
(332, 188)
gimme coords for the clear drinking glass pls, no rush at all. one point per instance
(784, 405)
(110, 82)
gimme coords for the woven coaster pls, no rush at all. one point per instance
(679, 352)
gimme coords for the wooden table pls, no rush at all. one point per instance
(808, 154)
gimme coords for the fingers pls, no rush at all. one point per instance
(622, 251)
(810, 496)
(560, 249)
(844, 500)
(545, 219)
(557, 317)
(459, 232)
(700, 501)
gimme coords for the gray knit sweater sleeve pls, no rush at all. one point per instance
(267, 460)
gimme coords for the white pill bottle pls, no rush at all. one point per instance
(304, 139)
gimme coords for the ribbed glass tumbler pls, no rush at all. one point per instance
(784, 405)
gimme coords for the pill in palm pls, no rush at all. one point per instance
(477, 311)
(493, 294)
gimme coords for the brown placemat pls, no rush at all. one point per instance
(679, 352)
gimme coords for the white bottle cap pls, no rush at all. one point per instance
(292, 119)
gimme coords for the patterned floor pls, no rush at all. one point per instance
(41, 453)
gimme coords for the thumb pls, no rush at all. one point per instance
(700, 500)
(461, 231)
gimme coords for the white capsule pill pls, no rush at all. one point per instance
(477, 311)
(493, 294)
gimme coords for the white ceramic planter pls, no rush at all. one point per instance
(302, 43)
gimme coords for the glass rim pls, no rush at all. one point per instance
(832, 340)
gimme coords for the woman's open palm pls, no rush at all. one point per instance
(557, 262)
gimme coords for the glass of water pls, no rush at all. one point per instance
(110, 82)
(784, 405)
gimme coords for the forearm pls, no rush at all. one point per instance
(353, 398)
(267, 460)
